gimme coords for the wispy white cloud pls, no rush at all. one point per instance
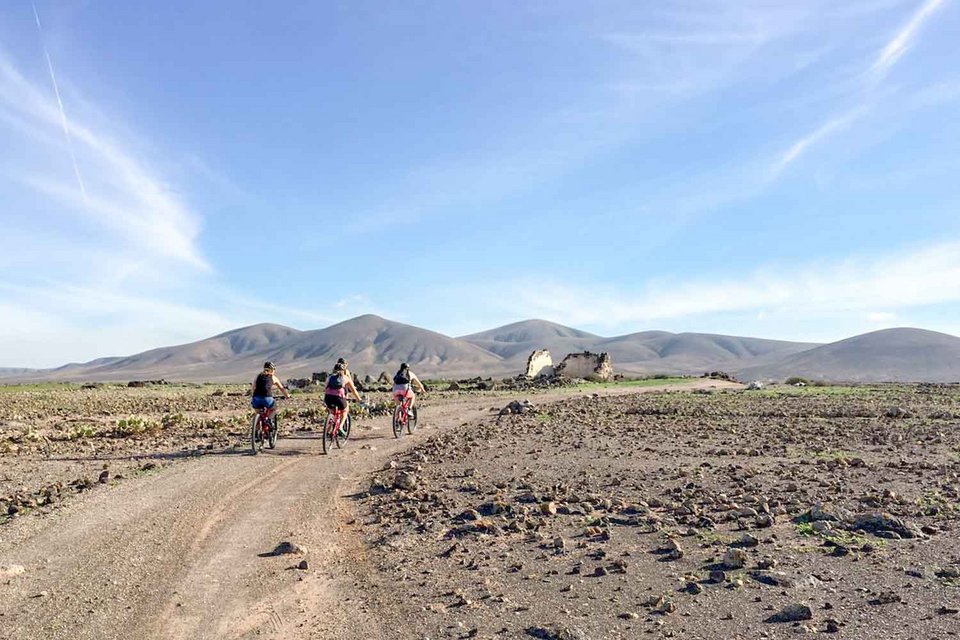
(821, 133)
(120, 192)
(63, 112)
(104, 246)
(881, 317)
(885, 60)
(903, 39)
(912, 278)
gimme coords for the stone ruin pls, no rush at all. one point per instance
(591, 366)
(315, 380)
(584, 365)
(539, 364)
(146, 383)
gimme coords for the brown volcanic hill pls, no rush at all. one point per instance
(370, 343)
(373, 344)
(890, 355)
(9, 372)
(663, 352)
(643, 352)
(517, 340)
(178, 362)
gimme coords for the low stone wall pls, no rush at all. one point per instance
(595, 366)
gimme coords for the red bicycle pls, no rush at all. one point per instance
(263, 429)
(404, 416)
(332, 434)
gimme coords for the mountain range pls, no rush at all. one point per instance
(373, 344)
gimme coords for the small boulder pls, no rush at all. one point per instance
(735, 559)
(876, 522)
(820, 513)
(10, 570)
(405, 481)
(287, 548)
(792, 613)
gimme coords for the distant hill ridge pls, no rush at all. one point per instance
(373, 344)
(889, 355)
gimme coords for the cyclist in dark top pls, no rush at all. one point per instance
(402, 385)
(263, 389)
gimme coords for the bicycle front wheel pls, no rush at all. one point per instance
(412, 420)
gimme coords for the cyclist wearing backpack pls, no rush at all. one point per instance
(338, 383)
(263, 389)
(402, 385)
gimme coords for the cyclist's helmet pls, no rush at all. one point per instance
(269, 366)
(404, 366)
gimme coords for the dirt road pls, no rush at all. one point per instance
(180, 553)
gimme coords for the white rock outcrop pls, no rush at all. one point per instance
(539, 364)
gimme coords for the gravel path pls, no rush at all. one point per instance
(181, 552)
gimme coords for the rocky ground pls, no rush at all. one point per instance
(698, 511)
(728, 514)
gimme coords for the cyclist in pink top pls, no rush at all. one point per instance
(338, 383)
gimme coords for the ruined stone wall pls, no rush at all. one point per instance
(540, 363)
(586, 365)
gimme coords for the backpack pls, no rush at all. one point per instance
(402, 378)
(335, 381)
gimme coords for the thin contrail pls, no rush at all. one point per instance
(63, 112)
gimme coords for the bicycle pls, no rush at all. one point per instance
(333, 434)
(264, 430)
(404, 416)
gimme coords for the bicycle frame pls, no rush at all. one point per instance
(337, 415)
(263, 420)
(405, 411)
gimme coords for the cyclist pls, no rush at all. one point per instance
(263, 389)
(402, 385)
(335, 394)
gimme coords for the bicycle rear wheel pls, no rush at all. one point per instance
(398, 421)
(255, 437)
(274, 431)
(328, 428)
(412, 420)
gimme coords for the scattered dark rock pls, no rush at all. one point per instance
(735, 559)
(286, 548)
(876, 522)
(561, 633)
(405, 481)
(792, 613)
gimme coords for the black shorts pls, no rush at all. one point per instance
(334, 402)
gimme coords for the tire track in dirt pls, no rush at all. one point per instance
(174, 554)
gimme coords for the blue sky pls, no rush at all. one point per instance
(777, 169)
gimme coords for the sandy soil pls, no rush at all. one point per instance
(182, 549)
(612, 514)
